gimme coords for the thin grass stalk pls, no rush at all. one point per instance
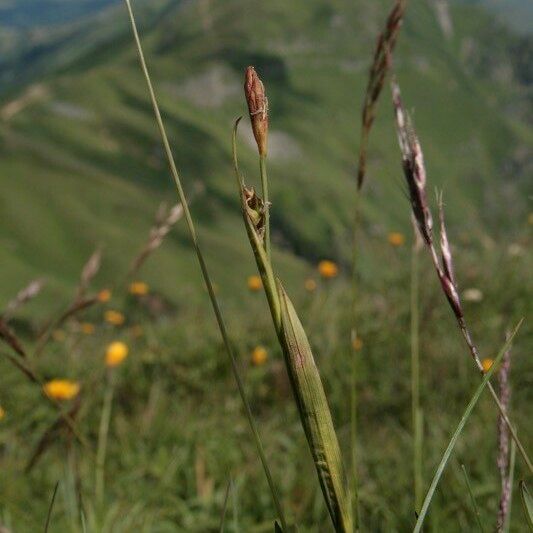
(205, 273)
(225, 506)
(103, 433)
(512, 463)
(455, 437)
(473, 500)
(264, 191)
(416, 410)
(380, 66)
(354, 485)
(415, 174)
(50, 508)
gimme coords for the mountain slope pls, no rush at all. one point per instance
(81, 163)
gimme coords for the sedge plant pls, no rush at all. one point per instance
(304, 377)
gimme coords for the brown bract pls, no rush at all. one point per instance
(257, 101)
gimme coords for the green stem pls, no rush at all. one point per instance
(416, 412)
(353, 380)
(101, 449)
(264, 188)
(205, 273)
(512, 462)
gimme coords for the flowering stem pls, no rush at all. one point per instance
(103, 433)
(353, 380)
(205, 273)
(416, 411)
(264, 189)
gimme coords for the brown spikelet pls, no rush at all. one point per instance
(257, 101)
(164, 221)
(24, 295)
(381, 64)
(413, 167)
(255, 210)
(415, 176)
(89, 271)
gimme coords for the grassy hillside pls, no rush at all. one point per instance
(81, 163)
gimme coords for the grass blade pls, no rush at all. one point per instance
(50, 508)
(457, 433)
(225, 507)
(315, 415)
(527, 503)
(472, 499)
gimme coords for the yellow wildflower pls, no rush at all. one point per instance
(310, 285)
(254, 283)
(87, 328)
(259, 356)
(104, 295)
(328, 269)
(486, 364)
(2, 412)
(61, 389)
(138, 288)
(114, 317)
(116, 353)
(396, 238)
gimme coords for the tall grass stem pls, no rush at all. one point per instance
(205, 272)
(103, 433)
(353, 379)
(416, 411)
(264, 190)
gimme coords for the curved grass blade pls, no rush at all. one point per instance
(457, 433)
(472, 499)
(527, 503)
(49, 515)
(315, 415)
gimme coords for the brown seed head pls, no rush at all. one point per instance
(254, 92)
(413, 167)
(255, 211)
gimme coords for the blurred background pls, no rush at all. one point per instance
(82, 167)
